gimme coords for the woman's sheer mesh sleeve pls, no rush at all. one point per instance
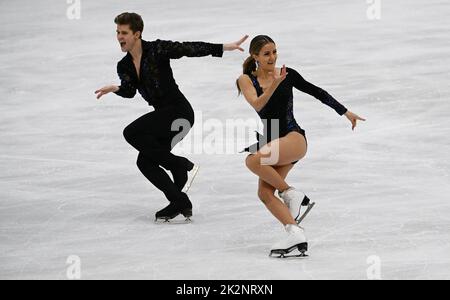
(304, 86)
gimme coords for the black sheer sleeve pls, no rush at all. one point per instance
(190, 49)
(127, 88)
(302, 85)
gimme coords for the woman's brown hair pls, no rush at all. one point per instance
(256, 45)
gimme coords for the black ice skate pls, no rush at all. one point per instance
(183, 178)
(183, 207)
(192, 173)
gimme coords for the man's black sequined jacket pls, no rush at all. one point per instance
(155, 82)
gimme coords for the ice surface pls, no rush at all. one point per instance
(69, 184)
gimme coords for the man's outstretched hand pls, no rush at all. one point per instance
(235, 45)
(106, 90)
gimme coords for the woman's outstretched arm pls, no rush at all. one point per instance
(302, 85)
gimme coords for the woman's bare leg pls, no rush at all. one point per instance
(266, 173)
(273, 204)
(284, 151)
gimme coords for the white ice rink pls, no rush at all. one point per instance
(69, 184)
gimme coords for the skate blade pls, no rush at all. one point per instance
(286, 253)
(302, 217)
(191, 177)
(187, 214)
(283, 256)
(174, 221)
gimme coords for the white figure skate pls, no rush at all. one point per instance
(298, 203)
(295, 239)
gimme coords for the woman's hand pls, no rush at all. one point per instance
(106, 90)
(235, 45)
(278, 78)
(353, 118)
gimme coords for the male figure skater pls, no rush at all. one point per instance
(146, 68)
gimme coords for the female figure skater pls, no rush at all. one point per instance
(146, 68)
(269, 91)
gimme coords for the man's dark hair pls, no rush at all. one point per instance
(134, 20)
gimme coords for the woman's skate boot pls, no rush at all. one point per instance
(298, 203)
(295, 239)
